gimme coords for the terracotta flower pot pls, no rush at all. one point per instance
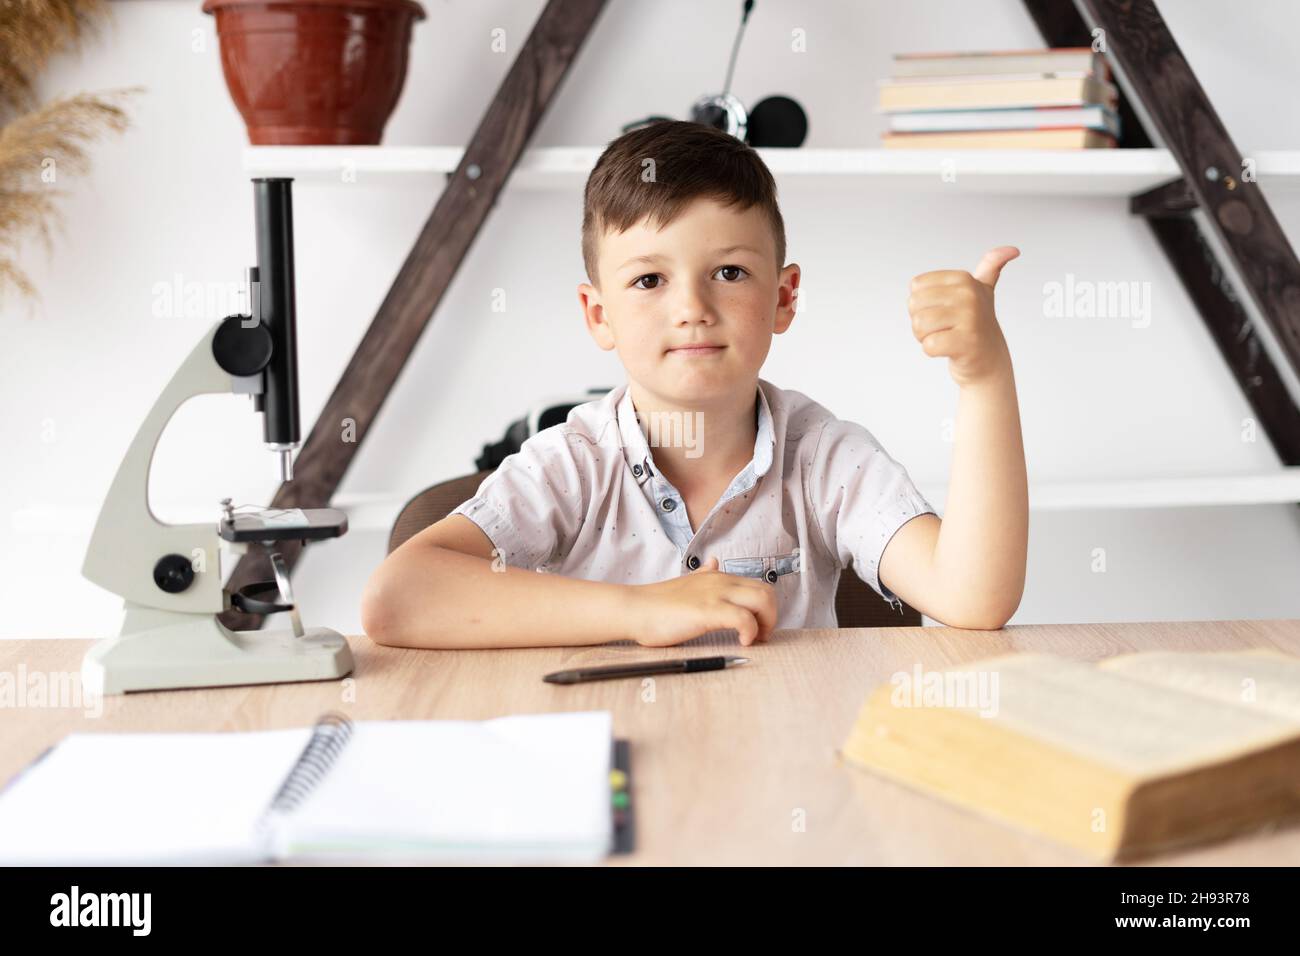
(314, 71)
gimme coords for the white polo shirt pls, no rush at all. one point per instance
(584, 499)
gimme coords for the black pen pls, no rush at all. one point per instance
(644, 668)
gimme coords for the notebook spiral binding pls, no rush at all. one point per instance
(328, 738)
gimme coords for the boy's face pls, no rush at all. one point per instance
(709, 277)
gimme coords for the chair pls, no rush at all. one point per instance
(856, 605)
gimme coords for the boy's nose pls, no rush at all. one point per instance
(693, 306)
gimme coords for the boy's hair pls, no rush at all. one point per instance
(658, 170)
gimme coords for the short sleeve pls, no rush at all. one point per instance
(859, 498)
(532, 506)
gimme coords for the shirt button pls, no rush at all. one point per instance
(693, 562)
(668, 504)
(771, 576)
(637, 470)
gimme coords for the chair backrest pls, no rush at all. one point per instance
(856, 605)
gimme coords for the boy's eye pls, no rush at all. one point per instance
(729, 273)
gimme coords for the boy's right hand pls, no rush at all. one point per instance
(670, 612)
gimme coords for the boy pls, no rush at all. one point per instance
(754, 498)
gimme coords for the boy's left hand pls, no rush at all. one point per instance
(952, 315)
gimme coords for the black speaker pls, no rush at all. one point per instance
(777, 121)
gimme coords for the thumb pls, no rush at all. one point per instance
(705, 565)
(990, 267)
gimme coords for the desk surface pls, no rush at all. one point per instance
(731, 767)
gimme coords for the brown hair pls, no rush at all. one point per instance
(690, 161)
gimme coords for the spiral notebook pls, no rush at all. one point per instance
(532, 787)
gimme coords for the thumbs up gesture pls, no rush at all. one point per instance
(952, 315)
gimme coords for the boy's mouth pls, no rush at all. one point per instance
(701, 348)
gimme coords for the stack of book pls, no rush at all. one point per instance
(1059, 98)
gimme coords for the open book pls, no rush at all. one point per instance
(532, 787)
(1134, 755)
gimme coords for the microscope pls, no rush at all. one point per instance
(170, 575)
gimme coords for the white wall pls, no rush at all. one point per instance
(1099, 398)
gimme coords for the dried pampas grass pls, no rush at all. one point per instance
(31, 31)
(43, 143)
(36, 151)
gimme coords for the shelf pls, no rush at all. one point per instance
(1097, 172)
(1278, 487)
(375, 511)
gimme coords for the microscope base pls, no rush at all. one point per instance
(160, 650)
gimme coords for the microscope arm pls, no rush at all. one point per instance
(129, 540)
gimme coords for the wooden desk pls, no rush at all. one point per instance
(724, 764)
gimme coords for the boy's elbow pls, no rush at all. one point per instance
(985, 622)
(989, 617)
(973, 622)
(392, 613)
(996, 618)
(381, 617)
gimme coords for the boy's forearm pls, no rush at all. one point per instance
(980, 551)
(428, 596)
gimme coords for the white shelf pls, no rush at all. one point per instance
(1097, 172)
(375, 511)
(1277, 487)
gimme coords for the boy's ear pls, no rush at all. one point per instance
(787, 292)
(593, 313)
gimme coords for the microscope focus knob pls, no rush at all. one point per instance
(242, 349)
(173, 573)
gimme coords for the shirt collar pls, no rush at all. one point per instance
(636, 448)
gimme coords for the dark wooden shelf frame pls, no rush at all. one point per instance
(1172, 100)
